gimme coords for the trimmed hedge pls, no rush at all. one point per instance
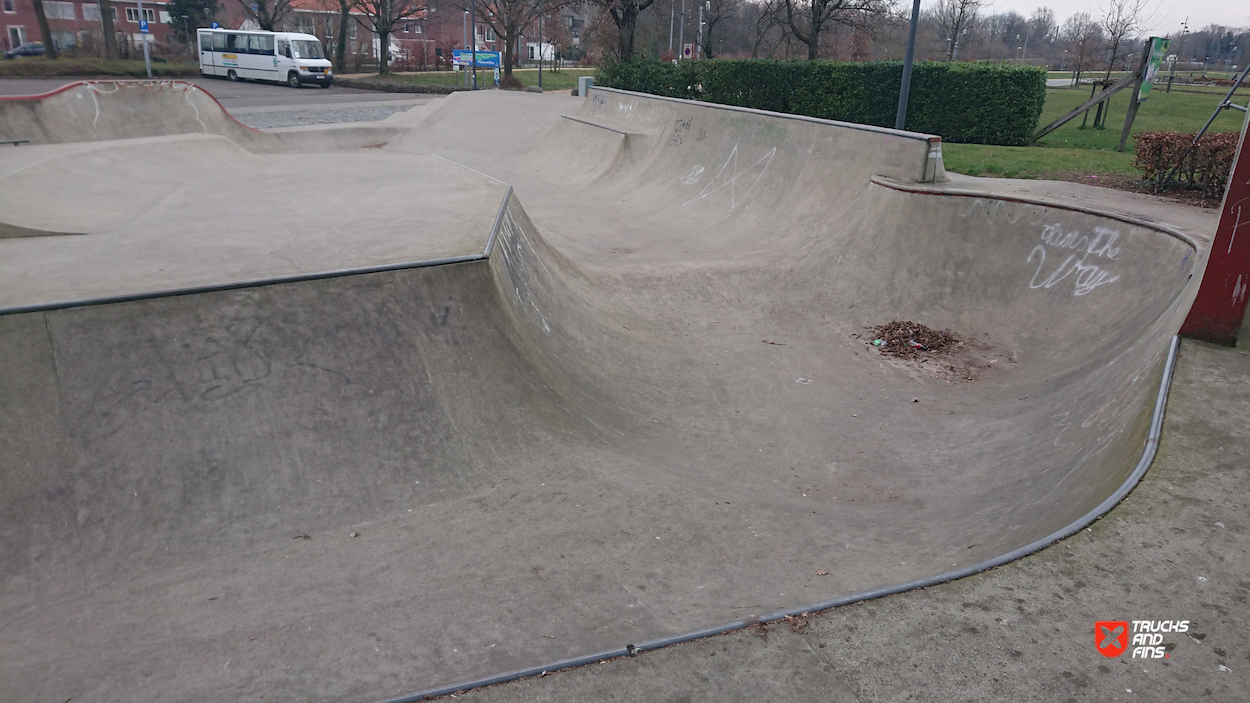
(1205, 167)
(961, 102)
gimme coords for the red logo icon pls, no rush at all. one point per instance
(1111, 636)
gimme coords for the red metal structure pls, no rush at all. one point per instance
(1218, 310)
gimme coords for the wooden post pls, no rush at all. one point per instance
(1218, 310)
(1132, 104)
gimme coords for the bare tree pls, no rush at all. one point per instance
(1121, 20)
(384, 15)
(1082, 35)
(768, 27)
(511, 18)
(268, 13)
(718, 12)
(345, 23)
(807, 19)
(624, 14)
(955, 17)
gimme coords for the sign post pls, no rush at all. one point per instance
(1218, 310)
(143, 32)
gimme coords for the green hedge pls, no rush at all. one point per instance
(961, 102)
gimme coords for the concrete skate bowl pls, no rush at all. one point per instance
(626, 399)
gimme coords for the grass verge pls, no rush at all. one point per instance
(1082, 153)
(38, 67)
(564, 79)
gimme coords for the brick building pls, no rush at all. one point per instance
(77, 28)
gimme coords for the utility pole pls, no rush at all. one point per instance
(143, 25)
(672, 12)
(540, 51)
(698, 46)
(473, 20)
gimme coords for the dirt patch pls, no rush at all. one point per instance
(1175, 194)
(923, 350)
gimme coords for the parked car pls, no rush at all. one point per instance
(34, 48)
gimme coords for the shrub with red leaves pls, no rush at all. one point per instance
(1205, 167)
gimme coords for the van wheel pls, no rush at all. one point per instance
(325, 85)
(292, 79)
(232, 76)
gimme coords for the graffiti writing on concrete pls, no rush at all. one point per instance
(1088, 275)
(626, 109)
(739, 180)
(596, 103)
(692, 176)
(680, 127)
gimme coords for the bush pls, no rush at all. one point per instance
(1206, 167)
(961, 102)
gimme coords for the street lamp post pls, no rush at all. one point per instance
(187, 34)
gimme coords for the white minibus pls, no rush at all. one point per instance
(285, 57)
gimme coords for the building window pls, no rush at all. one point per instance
(17, 37)
(91, 11)
(132, 15)
(355, 47)
(59, 10)
(63, 39)
(488, 34)
(351, 31)
(329, 28)
(9, 6)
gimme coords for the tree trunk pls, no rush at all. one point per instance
(384, 51)
(509, 52)
(340, 49)
(49, 49)
(626, 27)
(110, 33)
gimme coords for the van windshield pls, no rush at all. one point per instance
(305, 49)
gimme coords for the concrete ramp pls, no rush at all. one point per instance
(633, 401)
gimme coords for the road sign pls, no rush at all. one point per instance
(143, 26)
(215, 25)
(687, 51)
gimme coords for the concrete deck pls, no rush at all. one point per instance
(643, 413)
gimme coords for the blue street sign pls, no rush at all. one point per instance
(215, 25)
(143, 26)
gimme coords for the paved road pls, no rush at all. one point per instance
(266, 105)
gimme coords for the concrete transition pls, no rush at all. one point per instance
(356, 412)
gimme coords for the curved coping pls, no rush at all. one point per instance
(929, 189)
(272, 280)
(1147, 457)
(186, 87)
(917, 136)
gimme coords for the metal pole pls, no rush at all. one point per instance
(473, 19)
(147, 60)
(681, 29)
(672, 12)
(540, 51)
(465, 28)
(901, 117)
(698, 44)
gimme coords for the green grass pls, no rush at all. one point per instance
(564, 79)
(1072, 149)
(39, 67)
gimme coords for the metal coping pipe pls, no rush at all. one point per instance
(1147, 457)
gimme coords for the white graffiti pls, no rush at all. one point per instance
(731, 173)
(692, 176)
(626, 108)
(1001, 211)
(1088, 275)
(1239, 290)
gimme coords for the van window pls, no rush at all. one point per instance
(284, 48)
(260, 44)
(307, 49)
(219, 41)
(206, 42)
(236, 43)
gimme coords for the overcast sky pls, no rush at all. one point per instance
(1168, 16)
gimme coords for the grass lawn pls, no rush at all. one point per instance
(1075, 152)
(563, 79)
(39, 67)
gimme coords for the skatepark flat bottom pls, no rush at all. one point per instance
(640, 403)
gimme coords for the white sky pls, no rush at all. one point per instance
(1168, 14)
